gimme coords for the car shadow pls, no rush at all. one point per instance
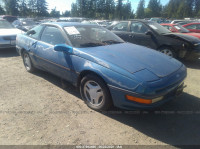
(5, 53)
(175, 123)
(192, 64)
(58, 82)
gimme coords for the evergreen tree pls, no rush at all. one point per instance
(54, 13)
(189, 5)
(11, 7)
(140, 9)
(127, 11)
(66, 13)
(155, 7)
(32, 7)
(110, 9)
(23, 9)
(148, 12)
(41, 8)
(74, 10)
(196, 7)
(119, 9)
(172, 8)
(2, 11)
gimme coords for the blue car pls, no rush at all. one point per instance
(107, 70)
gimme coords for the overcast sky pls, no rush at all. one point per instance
(62, 5)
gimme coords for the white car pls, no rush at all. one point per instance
(8, 35)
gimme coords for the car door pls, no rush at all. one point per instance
(122, 30)
(192, 28)
(138, 35)
(198, 28)
(31, 40)
(52, 61)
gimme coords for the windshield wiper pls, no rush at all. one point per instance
(92, 44)
(112, 42)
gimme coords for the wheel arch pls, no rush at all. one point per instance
(22, 51)
(167, 46)
(91, 72)
(87, 72)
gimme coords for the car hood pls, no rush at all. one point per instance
(184, 37)
(132, 58)
(8, 32)
(193, 34)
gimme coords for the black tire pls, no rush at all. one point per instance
(168, 51)
(29, 67)
(106, 102)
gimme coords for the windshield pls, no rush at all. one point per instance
(5, 25)
(158, 28)
(91, 36)
(181, 29)
(28, 23)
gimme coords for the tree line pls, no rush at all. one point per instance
(28, 8)
(104, 9)
(173, 9)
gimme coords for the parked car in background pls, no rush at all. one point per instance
(176, 28)
(71, 19)
(8, 18)
(97, 22)
(105, 68)
(24, 24)
(159, 20)
(89, 22)
(7, 35)
(193, 27)
(155, 36)
(182, 22)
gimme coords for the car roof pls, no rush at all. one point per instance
(66, 24)
(191, 23)
(168, 24)
(140, 20)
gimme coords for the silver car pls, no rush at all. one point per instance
(7, 35)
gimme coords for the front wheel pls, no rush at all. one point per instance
(95, 93)
(168, 51)
(27, 62)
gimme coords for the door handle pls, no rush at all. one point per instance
(34, 44)
(131, 36)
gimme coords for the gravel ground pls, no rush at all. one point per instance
(36, 110)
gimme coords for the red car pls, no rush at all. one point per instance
(179, 29)
(193, 27)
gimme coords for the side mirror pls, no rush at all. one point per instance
(172, 30)
(63, 48)
(149, 33)
(31, 32)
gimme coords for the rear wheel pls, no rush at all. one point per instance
(27, 62)
(95, 93)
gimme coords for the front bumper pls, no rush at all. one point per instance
(167, 88)
(7, 42)
(120, 101)
(193, 55)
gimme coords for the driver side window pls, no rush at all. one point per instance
(167, 27)
(191, 26)
(123, 26)
(35, 32)
(52, 35)
(137, 27)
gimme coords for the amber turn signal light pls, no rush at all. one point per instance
(139, 100)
